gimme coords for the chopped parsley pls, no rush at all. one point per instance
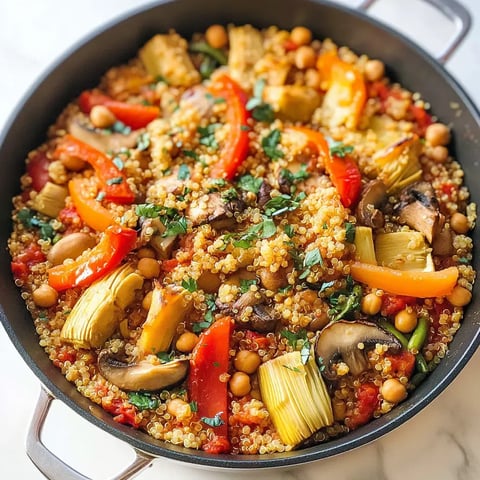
(349, 232)
(115, 181)
(208, 317)
(339, 149)
(230, 194)
(190, 284)
(193, 406)
(120, 127)
(291, 177)
(298, 340)
(283, 203)
(248, 183)
(214, 53)
(143, 141)
(293, 369)
(191, 154)
(207, 135)
(246, 283)
(265, 229)
(312, 258)
(261, 111)
(148, 210)
(270, 143)
(175, 227)
(215, 421)
(289, 230)
(183, 172)
(118, 162)
(344, 303)
(143, 400)
(30, 220)
(166, 357)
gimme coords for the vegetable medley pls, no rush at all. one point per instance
(248, 242)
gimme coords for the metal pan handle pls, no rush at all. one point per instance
(53, 467)
(455, 12)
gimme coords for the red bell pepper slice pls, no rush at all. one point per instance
(113, 247)
(343, 171)
(113, 181)
(209, 361)
(37, 168)
(89, 209)
(134, 115)
(235, 149)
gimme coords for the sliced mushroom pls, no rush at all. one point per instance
(349, 341)
(264, 194)
(142, 375)
(262, 318)
(151, 233)
(215, 210)
(100, 140)
(419, 209)
(372, 199)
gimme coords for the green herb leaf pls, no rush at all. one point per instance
(215, 53)
(166, 357)
(270, 143)
(148, 210)
(143, 141)
(190, 284)
(349, 232)
(215, 421)
(120, 127)
(230, 194)
(175, 227)
(326, 285)
(305, 352)
(344, 303)
(313, 257)
(246, 283)
(207, 135)
(207, 67)
(293, 369)
(289, 230)
(268, 228)
(339, 149)
(29, 220)
(183, 172)
(191, 154)
(263, 113)
(282, 204)
(115, 181)
(248, 183)
(118, 162)
(193, 406)
(143, 400)
(298, 176)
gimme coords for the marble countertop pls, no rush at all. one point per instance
(441, 442)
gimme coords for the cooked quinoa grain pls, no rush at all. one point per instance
(221, 224)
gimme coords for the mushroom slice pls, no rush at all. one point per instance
(349, 341)
(142, 375)
(419, 209)
(372, 199)
(262, 318)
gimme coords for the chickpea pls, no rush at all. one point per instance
(102, 117)
(179, 409)
(148, 267)
(146, 252)
(313, 78)
(186, 342)
(393, 390)
(459, 223)
(240, 384)
(74, 164)
(406, 320)
(374, 70)
(305, 57)
(246, 361)
(437, 134)
(273, 280)
(371, 304)
(438, 153)
(460, 296)
(147, 300)
(209, 282)
(45, 296)
(216, 36)
(301, 36)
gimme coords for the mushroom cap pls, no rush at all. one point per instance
(372, 199)
(141, 375)
(349, 341)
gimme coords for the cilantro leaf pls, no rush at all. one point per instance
(313, 257)
(215, 421)
(148, 210)
(29, 220)
(143, 400)
(248, 183)
(193, 406)
(288, 229)
(183, 172)
(165, 357)
(339, 149)
(344, 303)
(298, 176)
(207, 135)
(282, 204)
(175, 227)
(143, 141)
(270, 143)
(191, 154)
(349, 232)
(261, 111)
(190, 284)
(246, 283)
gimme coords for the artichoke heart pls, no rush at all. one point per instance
(295, 396)
(98, 312)
(403, 251)
(364, 248)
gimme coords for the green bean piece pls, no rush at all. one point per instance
(419, 335)
(205, 48)
(391, 329)
(417, 379)
(421, 363)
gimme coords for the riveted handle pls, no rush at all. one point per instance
(53, 467)
(455, 12)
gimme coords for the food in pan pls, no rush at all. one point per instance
(247, 242)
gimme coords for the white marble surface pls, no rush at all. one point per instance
(442, 442)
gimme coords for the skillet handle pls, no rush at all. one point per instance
(455, 12)
(53, 467)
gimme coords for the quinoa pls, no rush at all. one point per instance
(234, 207)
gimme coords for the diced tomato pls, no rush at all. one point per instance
(290, 45)
(216, 445)
(37, 168)
(448, 188)
(421, 118)
(257, 339)
(169, 265)
(22, 262)
(70, 218)
(123, 411)
(366, 404)
(402, 363)
(392, 304)
(65, 354)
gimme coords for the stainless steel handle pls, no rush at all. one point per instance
(53, 467)
(455, 12)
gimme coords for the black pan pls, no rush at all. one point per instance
(81, 68)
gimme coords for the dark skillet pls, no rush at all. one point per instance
(82, 67)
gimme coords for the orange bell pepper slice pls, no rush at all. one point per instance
(89, 209)
(134, 115)
(344, 172)
(414, 283)
(113, 247)
(235, 149)
(113, 181)
(346, 89)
